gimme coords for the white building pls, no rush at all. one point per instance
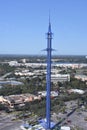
(43, 93)
(14, 63)
(79, 91)
(60, 77)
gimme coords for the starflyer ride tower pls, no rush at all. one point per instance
(48, 76)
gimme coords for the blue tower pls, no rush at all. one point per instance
(48, 78)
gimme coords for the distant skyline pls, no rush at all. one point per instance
(24, 24)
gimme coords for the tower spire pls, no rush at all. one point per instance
(49, 28)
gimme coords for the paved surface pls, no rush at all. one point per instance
(77, 119)
(72, 118)
(6, 122)
(10, 126)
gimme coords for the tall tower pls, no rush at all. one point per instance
(48, 78)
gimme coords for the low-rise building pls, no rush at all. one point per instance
(79, 91)
(60, 78)
(81, 77)
(43, 93)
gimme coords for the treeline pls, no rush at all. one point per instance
(5, 68)
(73, 84)
(29, 86)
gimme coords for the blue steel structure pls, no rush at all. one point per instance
(48, 78)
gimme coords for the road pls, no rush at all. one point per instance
(6, 122)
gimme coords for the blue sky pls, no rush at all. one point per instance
(24, 23)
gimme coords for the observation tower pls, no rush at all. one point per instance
(48, 76)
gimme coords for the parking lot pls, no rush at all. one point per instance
(73, 116)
